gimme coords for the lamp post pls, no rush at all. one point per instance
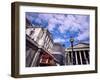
(71, 41)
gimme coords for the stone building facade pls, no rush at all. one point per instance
(79, 56)
(41, 36)
(38, 44)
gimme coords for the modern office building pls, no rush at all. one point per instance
(79, 56)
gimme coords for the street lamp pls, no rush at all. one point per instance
(72, 41)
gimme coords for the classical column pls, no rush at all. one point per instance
(34, 62)
(88, 57)
(85, 57)
(68, 59)
(80, 57)
(28, 59)
(72, 58)
(76, 58)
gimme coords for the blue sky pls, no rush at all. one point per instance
(63, 26)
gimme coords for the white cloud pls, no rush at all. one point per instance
(45, 16)
(51, 27)
(82, 36)
(59, 16)
(59, 40)
(31, 16)
(72, 23)
(38, 20)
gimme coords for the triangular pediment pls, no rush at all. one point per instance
(81, 45)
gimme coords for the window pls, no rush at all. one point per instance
(31, 32)
(44, 58)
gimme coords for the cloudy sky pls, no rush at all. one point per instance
(63, 26)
